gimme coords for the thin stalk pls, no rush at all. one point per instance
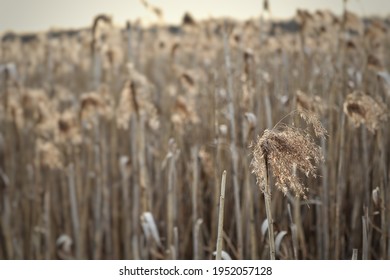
(197, 236)
(325, 204)
(80, 192)
(294, 235)
(74, 210)
(251, 216)
(125, 174)
(220, 217)
(298, 221)
(171, 203)
(340, 187)
(365, 238)
(46, 216)
(143, 172)
(6, 164)
(383, 187)
(366, 168)
(98, 235)
(217, 156)
(106, 194)
(114, 172)
(268, 109)
(319, 230)
(6, 229)
(129, 41)
(176, 243)
(96, 70)
(233, 147)
(267, 200)
(194, 201)
(135, 240)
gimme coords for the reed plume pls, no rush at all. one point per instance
(280, 150)
(363, 109)
(49, 155)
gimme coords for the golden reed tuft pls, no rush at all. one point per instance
(49, 155)
(68, 128)
(312, 104)
(363, 109)
(280, 150)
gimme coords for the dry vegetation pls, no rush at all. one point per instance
(113, 142)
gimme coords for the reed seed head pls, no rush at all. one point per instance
(363, 109)
(282, 150)
(312, 104)
(68, 128)
(49, 155)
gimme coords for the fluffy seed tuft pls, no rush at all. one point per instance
(363, 109)
(282, 150)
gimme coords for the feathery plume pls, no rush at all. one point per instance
(281, 149)
(363, 109)
(49, 155)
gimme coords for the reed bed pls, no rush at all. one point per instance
(113, 141)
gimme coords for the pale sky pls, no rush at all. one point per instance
(38, 15)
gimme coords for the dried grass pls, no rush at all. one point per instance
(281, 150)
(86, 115)
(363, 109)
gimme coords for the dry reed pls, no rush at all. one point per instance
(86, 118)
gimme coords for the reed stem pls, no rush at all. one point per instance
(220, 216)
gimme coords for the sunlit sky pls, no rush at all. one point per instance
(35, 15)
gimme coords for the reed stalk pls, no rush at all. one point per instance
(221, 216)
(233, 146)
(270, 221)
(74, 210)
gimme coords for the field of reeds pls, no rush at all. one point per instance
(113, 141)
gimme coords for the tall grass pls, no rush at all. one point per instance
(113, 141)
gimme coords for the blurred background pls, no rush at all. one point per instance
(22, 15)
